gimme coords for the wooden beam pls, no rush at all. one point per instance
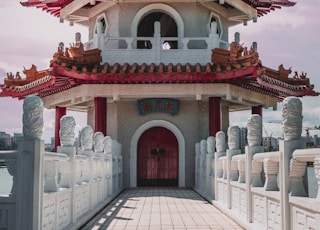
(215, 7)
(72, 7)
(98, 8)
(243, 7)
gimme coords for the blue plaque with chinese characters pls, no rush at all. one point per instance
(155, 105)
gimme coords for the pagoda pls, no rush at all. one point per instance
(158, 76)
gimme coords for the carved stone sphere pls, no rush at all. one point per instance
(86, 137)
(220, 141)
(203, 147)
(107, 142)
(67, 126)
(211, 144)
(254, 127)
(32, 117)
(292, 118)
(233, 137)
(98, 142)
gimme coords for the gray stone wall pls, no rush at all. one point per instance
(120, 16)
(192, 121)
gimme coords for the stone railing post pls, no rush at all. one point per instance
(209, 169)
(197, 164)
(98, 149)
(203, 157)
(120, 162)
(233, 143)
(115, 162)
(107, 142)
(86, 150)
(66, 133)
(292, 127)
(253, 168)
(29, 183)
(220, 152)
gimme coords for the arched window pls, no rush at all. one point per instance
(158, 10)
(168, 29)
(215, 20)
(101, 25)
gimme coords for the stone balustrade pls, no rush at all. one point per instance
(188, 49)
(61, 190)
(269, 162)
(267, 190)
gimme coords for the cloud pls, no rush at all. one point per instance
(6, 4)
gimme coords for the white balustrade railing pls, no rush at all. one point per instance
(265, 190)
(58, 190)
(157, 49)
(304, 200)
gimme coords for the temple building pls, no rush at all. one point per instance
(158, 76)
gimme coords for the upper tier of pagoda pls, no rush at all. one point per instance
(67, 9)
(237, 66)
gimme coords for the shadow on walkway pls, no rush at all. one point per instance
(160, 208)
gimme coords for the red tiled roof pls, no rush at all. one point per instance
(54, 6)
(251, 77)
(50, 6)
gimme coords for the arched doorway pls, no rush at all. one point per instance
(168, 29)
(157, 158)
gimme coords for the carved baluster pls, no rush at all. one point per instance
(297, 170)
(256, 173)
(12, 169)
(219, 168)
(234, 169)
(242, 170)
(317, 174)
(224, 167)
(271, 169)
(51, 182)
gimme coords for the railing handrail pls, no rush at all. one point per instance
(305, 155)
(56, 156)
(273, 156)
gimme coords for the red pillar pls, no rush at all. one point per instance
(100, 115)
(214, 115)
(256, 110)
(60, 112)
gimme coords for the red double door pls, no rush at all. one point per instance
(157, 158)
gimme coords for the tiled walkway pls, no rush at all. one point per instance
(160, 208)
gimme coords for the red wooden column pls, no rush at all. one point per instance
(214, 115)
(100, 115)
(256, 110)
(60, 112)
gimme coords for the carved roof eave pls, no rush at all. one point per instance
(28, 89)
(72, 10)
(251, 77)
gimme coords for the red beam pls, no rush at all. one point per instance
(256, 110)
(100, 115)
(214, 115)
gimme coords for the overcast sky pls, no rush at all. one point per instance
(290, 36)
